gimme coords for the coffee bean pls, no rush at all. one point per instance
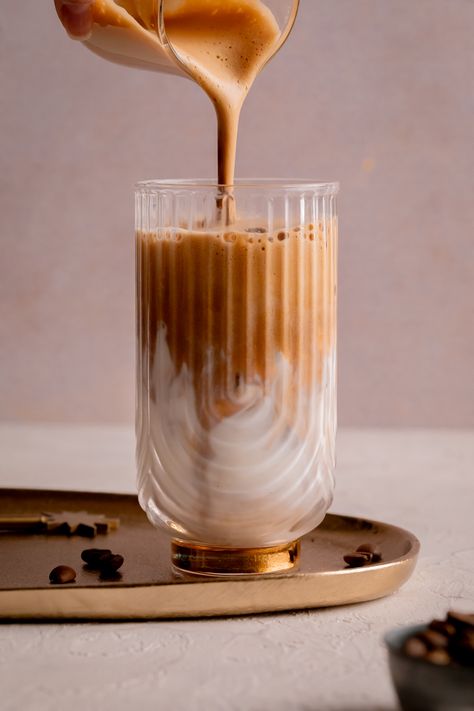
(433, 639)
(444, 642)
(443, 627)
(62, 574)
(372, 549)
(439, 657)
(415, 647)
(91, 556)
(103, 560)
(357, 560)
(110, 563)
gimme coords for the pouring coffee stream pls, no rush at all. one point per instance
(223, 46)
(220, 44)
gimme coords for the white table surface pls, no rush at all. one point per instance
(329, 659)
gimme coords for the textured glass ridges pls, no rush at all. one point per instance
(236, 369)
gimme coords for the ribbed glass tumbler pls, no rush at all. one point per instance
(236, 368)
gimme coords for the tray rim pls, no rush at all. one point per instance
(312, 584)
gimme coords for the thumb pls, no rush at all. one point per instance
(76, 16)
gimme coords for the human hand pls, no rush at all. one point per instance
(76, 16)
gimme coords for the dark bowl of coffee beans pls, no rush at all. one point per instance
(432, 665)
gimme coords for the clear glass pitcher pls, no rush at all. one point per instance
(133, 32)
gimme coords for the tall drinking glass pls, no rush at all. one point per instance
(236, 368)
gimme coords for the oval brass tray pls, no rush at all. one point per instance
(147, 587)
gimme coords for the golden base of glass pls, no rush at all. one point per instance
(211, 560)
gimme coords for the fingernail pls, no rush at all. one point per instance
(77, 17)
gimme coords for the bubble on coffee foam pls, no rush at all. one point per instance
(256, 230)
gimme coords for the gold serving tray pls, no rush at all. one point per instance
(147, 587)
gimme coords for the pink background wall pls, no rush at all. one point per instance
(376, 93)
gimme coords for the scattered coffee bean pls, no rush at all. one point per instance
(366, 553)
(104, 561)
(110, 563)
(357, 560)
(62, 574)
(443, 627)
(91, 556)
(415, 647)
(439, 657)
(372, 549)
(444, 642)
(434, 640)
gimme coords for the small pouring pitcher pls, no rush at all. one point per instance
(133, 32)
